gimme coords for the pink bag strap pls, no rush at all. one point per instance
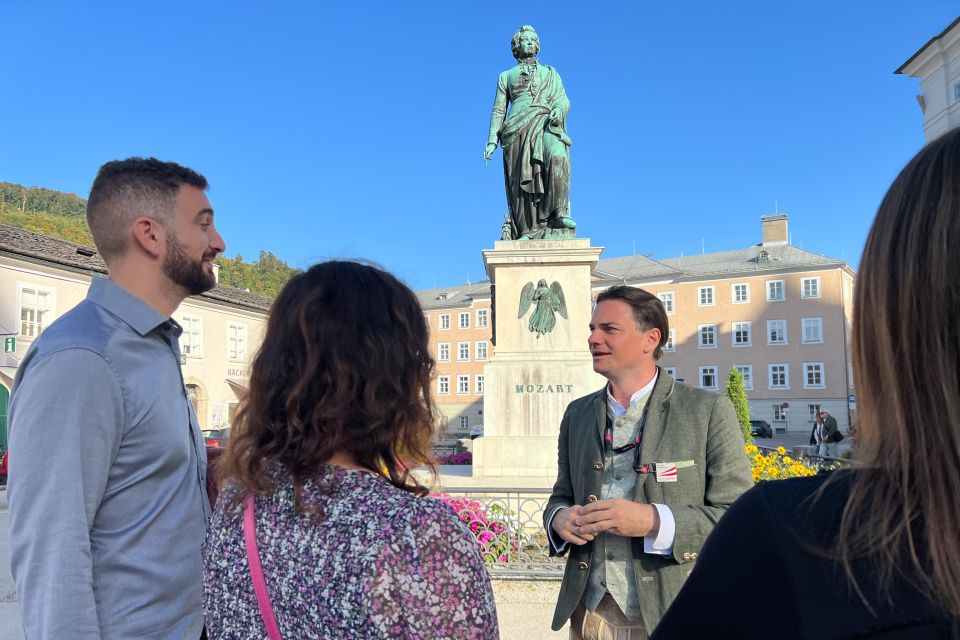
(256, 571)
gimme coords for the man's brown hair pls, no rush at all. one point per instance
(127, 189)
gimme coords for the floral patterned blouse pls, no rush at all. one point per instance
(381, 563)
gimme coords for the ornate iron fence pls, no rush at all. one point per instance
(508, 526)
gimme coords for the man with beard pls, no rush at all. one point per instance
(107, 467)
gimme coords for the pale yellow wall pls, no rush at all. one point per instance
(209, 372)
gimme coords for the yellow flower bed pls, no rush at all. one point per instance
(776, 464)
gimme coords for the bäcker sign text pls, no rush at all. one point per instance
(543, 388)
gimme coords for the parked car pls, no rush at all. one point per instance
(761, 428)
(216, 437)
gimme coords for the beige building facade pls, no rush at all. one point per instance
(461, 340)
(778, 314)
(41, 278)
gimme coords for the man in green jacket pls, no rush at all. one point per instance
(646, 468)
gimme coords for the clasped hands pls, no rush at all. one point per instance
(581, 524)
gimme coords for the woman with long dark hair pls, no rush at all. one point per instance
(321, 530)
(870, 552)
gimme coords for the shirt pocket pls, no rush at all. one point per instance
(687, 489)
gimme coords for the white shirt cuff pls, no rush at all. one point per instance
(662, 543)
(552, 536)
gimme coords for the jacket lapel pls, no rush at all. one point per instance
(657, 418)
(600, 413)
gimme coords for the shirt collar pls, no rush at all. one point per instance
(614, 405)
(135, 312)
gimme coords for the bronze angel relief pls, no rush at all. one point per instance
(549, 300)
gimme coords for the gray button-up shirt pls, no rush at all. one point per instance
(107, 470)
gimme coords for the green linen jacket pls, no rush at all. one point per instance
(684, 424)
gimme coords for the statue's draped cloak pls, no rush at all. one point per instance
(536, 159)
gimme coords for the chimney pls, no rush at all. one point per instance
(774, 229)
(216, 272)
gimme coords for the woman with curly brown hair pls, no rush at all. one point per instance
(869, 552)
(321, 530)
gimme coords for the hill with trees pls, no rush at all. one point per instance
(63, 215)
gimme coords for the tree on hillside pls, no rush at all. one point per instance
(63, 215)
(738, 396)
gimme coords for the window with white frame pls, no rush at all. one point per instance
(481, 350)
(463, 385)
(813, 375)
(443, 352)
(740, 292)
(779, 413)
(812, 330)
(812, 411)
(776, 292)
(463, 320)
(463, 351)
(478, 384)
(708, 336)
(464, 423)
(444, 320)
(666, 297)
(672, 371)
(670, 346)
(776, 332)
(705, 296)
(36, 310)
(191, 340)
(483, 318)
(426, 319)
(810, 288)
(237, 342)
(779, 376)
(443, 385)
(746, 373)
(956, 92)
(708, 377)
(742, 334)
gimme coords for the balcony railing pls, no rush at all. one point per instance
(508, 526)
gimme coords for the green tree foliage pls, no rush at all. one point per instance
(63, 215)
(266, 276)
(738, 396)
(37, 199)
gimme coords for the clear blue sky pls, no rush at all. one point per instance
(356, 129)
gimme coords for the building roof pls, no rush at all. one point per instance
(756, 258)
(946, 30)
(37, 246)
(453, 297)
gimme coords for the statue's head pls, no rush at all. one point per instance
(542, 284)
(522, 40)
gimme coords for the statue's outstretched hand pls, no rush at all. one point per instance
(491, 147)
(556, 116)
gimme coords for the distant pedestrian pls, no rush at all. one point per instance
(321, 530)
(829, 435)
(107, 472)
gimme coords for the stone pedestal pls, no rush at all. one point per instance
(531, 379)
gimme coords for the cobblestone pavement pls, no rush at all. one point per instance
(525, 609)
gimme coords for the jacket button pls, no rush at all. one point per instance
(687, 557)
(591, 498)
(583, 566)
(598, 466)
